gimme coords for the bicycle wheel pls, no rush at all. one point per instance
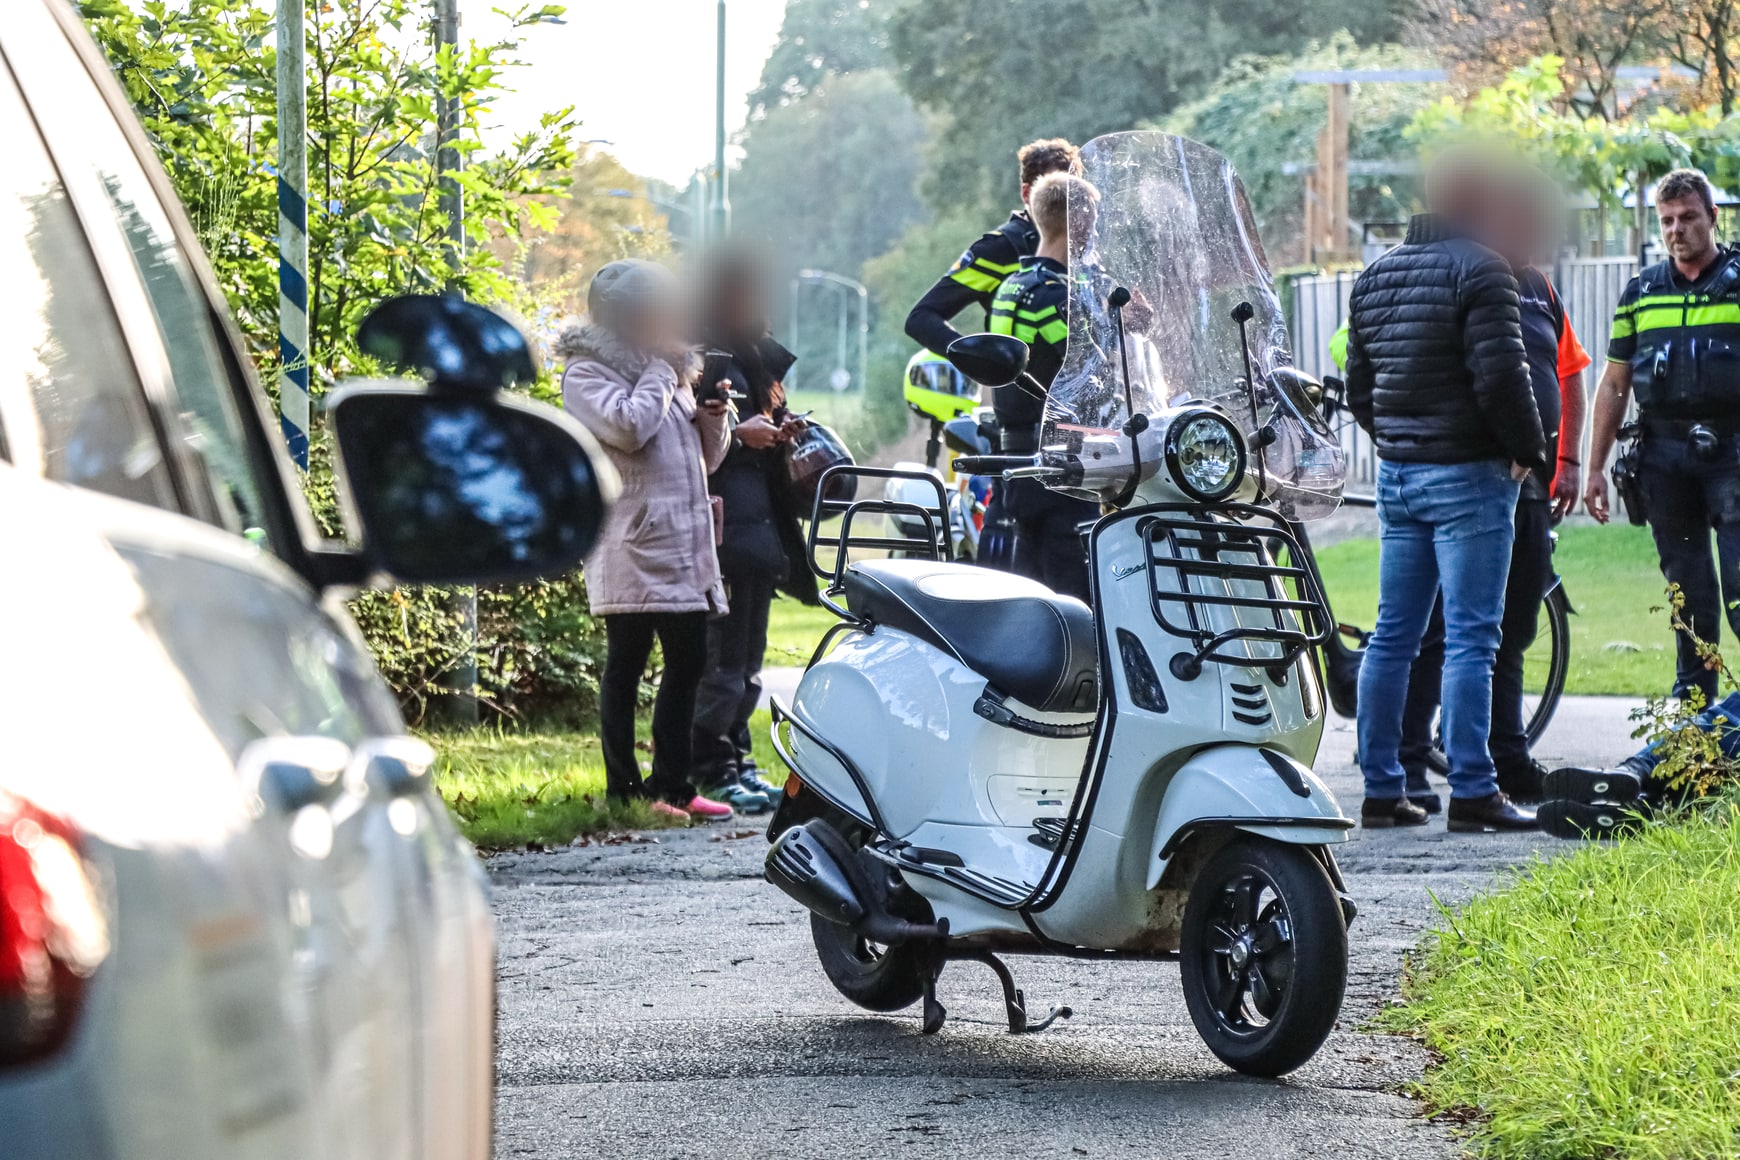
(1546, 665)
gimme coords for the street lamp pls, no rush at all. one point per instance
(841, 378)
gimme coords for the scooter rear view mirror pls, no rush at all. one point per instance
(991, 360)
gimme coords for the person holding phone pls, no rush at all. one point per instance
(630, 379)
(761, 546)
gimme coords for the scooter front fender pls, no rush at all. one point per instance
(1244, 787)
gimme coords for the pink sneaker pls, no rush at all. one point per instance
(709, 810)
(667, 810)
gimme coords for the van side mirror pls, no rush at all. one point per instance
(456, 488)
(457, 481)
(991, 360)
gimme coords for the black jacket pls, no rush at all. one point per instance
(762, 537)
(971, 281)
(1436, 369)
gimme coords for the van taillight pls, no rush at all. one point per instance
(53, 933)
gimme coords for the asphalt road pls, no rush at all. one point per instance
(659, 1000)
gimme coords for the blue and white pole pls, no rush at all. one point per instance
(293, 405)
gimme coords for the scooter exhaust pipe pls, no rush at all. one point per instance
(800, 865)
(816, 867)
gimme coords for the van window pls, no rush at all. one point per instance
(70, 397)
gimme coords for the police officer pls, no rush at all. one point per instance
(973, 281)
(1676, 343)
(1033, 305)
(976, 274)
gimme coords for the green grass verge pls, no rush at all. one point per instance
(1592, 1009)
(509, 789)
(1617, 645)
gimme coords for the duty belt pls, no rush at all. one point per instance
(1663, 428)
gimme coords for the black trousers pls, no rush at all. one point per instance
(1048, 543)
(1686, 497)
(1531, 572)
(731, 688)
(628, 642)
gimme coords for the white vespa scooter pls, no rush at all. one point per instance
(980, 765)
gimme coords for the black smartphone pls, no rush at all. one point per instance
(715, 380)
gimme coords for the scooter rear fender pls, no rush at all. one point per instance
(1244, 787)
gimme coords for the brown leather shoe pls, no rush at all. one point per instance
(1488, 815)
(1387, 813)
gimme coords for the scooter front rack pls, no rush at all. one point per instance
(1205, 558)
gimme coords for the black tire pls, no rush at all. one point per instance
(1263, 955)
(1555, 636)
(874, 977)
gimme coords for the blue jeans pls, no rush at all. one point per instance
(1448, 527)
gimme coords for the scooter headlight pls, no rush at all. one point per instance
(1205, 454)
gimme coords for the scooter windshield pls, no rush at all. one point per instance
(1167, 221)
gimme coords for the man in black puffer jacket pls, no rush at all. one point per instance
(1438, 375)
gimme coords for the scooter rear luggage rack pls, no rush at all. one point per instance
(1191, 544)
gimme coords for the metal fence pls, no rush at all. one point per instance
(1590, 288)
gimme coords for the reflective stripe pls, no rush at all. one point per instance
(1002, 323)
(978, 280)
(1055, 331)
(1039, 315)
(1722, 312)
(995, 267)
(1623, 327)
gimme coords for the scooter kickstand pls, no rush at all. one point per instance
(1015, 1001)
(934, 1012)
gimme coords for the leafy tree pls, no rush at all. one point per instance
(604, 213)
(1268, 125)
(202, 78)
(819, 39)
(832, 180)
(1003, 72)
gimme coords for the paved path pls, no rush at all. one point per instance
(660, 1000)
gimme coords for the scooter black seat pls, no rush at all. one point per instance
(1026, 640)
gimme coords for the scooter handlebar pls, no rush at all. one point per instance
(991, 464)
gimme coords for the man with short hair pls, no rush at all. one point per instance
(1032, 304)
(1437, 373)
(973, 281)
(1676, 344)
(976, 274)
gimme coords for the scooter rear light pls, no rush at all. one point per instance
(794, 785)
(53, 933)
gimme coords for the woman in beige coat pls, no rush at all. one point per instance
(630, 380)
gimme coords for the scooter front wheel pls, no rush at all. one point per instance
(1263, 955)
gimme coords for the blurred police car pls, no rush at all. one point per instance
(235, 920)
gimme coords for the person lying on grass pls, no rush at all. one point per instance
(1691, 752)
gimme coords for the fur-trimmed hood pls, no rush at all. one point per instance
(586, 341)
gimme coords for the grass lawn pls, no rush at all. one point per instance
(509, 788)
(1610, 573)
(1593, 1007)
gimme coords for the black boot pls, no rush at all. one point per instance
(1521, 781)
(1387, 813)
(1593, 785)
(1488, 815)
(1574, 820)
(1420, 790)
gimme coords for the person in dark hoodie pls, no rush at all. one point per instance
(1438, 375)
(762, 546)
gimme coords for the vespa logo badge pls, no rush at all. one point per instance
(1125, 571)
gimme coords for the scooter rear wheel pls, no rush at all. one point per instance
(875, 977)
(1263, 955)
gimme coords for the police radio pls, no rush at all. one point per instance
(1625, 476)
